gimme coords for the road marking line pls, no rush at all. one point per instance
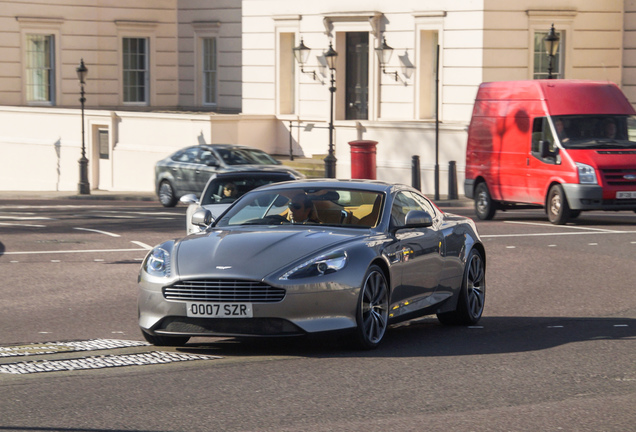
(143, 245)
(561, 226)
(556, 326)
(26, 217)
(555, 234)
(22, 225)
(71, 251)
(98, 231)
(621, 325)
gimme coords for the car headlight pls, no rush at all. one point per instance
(318, 266)
(587, 174)
(157, 262)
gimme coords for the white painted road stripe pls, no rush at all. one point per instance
(556, 234)
(561, 226)
(22, 225)
(143, 245)
(72, 251)
(98, 231)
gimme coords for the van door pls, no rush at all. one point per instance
(542, 164)
(514, 152)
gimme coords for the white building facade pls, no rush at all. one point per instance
(169, 73)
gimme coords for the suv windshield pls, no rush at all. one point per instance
(596, 131)
(227, 189)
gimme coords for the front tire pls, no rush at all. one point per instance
(485, 207)
(472, 296)
(557, 206)
(373, 309)
(167, 196)
(175, 341)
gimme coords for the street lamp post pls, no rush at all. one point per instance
(301, 53)
(330, 160)
(83, 187)
(551, 42)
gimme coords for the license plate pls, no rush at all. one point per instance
(626, 195)
(219, 310)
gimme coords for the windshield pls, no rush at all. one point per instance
(307, 206)
(227, 189)
(596, 131)
(246, 156)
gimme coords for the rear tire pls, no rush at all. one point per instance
(557, 206)
(175, 341)
(472, 296)
(167, 196)
(485, 207)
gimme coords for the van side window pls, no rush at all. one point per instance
(541, 132)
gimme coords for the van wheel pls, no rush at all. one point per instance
(484, 205)
(557, 209)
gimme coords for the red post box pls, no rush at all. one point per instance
(363, 159)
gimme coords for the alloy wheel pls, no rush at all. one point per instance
(374, 308)
(475, 286)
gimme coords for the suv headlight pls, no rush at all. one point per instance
(319, 266)
(587, 174)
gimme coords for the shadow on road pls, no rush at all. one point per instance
(428, 338)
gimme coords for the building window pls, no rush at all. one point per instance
(104, 149)
(357, 78)
(40, 68)
(286, 75)
(209, 70)
(429, 40)
(542, 60)
(135, 52)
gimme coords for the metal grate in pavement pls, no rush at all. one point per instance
(99, 362)
(57, 347)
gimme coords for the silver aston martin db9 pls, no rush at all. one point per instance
(303, 257)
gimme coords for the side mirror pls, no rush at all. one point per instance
(418, 219)
(189, 199)
(212, 162)
(544, 148)
(415, 219)
(202, 218)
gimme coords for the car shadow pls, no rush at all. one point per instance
(428, 338)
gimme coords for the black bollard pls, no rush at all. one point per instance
(415, 173)
(452, 180)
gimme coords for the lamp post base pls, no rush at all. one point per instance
(330, 166)
(83, 187)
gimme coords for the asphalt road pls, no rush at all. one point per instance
(554, 351)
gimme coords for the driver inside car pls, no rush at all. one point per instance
(301, 210)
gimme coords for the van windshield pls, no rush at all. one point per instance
(596, 131)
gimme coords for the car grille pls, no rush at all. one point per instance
(616, 177)
(223, 291)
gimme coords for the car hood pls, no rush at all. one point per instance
(251, 252)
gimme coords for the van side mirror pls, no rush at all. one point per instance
(544, 148)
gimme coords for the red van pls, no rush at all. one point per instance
(564, 145)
